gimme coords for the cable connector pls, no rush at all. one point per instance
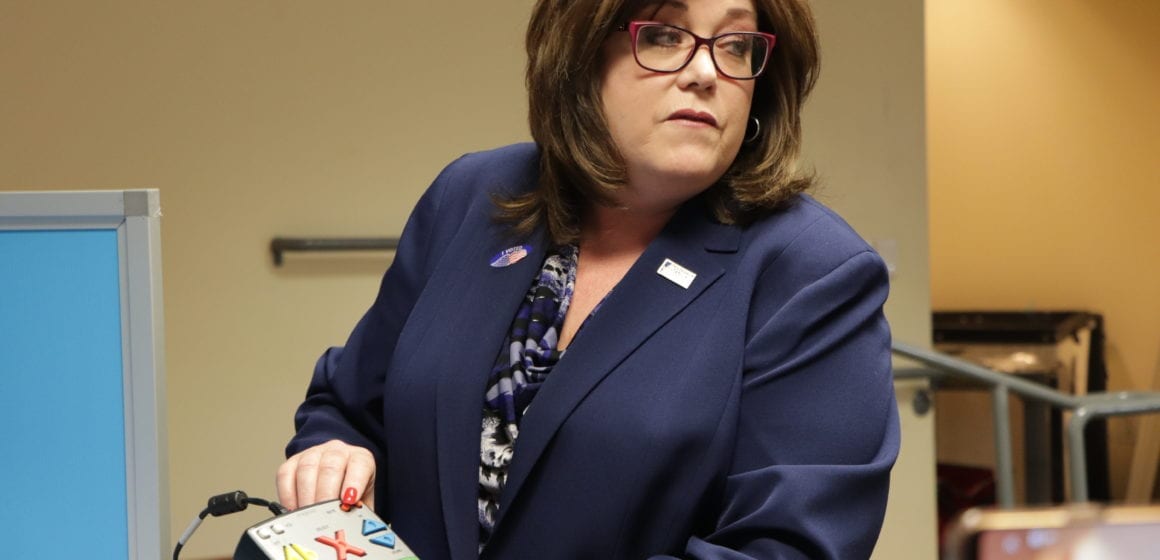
(225, 504)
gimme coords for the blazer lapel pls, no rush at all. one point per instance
(481, 302)
(642, 302)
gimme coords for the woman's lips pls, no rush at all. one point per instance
(694, 116)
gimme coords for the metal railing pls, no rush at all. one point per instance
(1083, 408)
(280, 245)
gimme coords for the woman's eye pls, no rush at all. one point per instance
(736, 45)
(661, 36)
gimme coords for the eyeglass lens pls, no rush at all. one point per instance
(663, 48)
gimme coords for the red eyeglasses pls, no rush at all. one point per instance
(660, 47)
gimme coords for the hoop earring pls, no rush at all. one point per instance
(756, 126)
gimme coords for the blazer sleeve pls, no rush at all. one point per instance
(818, 428)
(344, 399)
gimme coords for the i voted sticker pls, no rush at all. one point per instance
(510, 256)
(677, 274)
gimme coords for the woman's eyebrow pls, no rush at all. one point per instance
(735, 13)
(677, 4)
(738, 12)
(732, 14)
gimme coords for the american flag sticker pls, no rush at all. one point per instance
(510, 256)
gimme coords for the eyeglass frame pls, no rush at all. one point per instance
(633, 29)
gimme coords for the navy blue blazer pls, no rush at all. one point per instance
(750, 415)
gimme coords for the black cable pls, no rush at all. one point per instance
(225, 504)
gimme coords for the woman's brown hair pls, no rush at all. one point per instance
(579, 161)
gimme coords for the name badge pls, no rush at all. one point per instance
(677, 274)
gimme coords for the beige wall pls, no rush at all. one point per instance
(266, 118)
(865, 134)
(1044, 130)
(254, 119)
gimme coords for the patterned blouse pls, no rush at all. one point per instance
(522, 367)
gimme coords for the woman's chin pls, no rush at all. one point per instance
(691, 167)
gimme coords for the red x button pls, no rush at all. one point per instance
(340, 546)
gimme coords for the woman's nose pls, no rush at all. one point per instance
(701, 71)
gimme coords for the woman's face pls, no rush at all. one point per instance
(678, 132)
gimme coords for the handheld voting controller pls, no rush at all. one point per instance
(323, 531)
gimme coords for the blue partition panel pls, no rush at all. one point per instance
(62, 424)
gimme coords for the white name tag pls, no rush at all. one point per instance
(677, 274)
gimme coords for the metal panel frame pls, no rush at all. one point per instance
(135, 215)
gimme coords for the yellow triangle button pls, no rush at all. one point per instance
(297, 552)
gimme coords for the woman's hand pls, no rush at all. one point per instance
(323, 472)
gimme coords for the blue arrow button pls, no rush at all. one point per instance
(373, 526)
(387, 540)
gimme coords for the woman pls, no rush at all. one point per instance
(700, 367)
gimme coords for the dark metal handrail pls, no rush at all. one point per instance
(280, 245)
